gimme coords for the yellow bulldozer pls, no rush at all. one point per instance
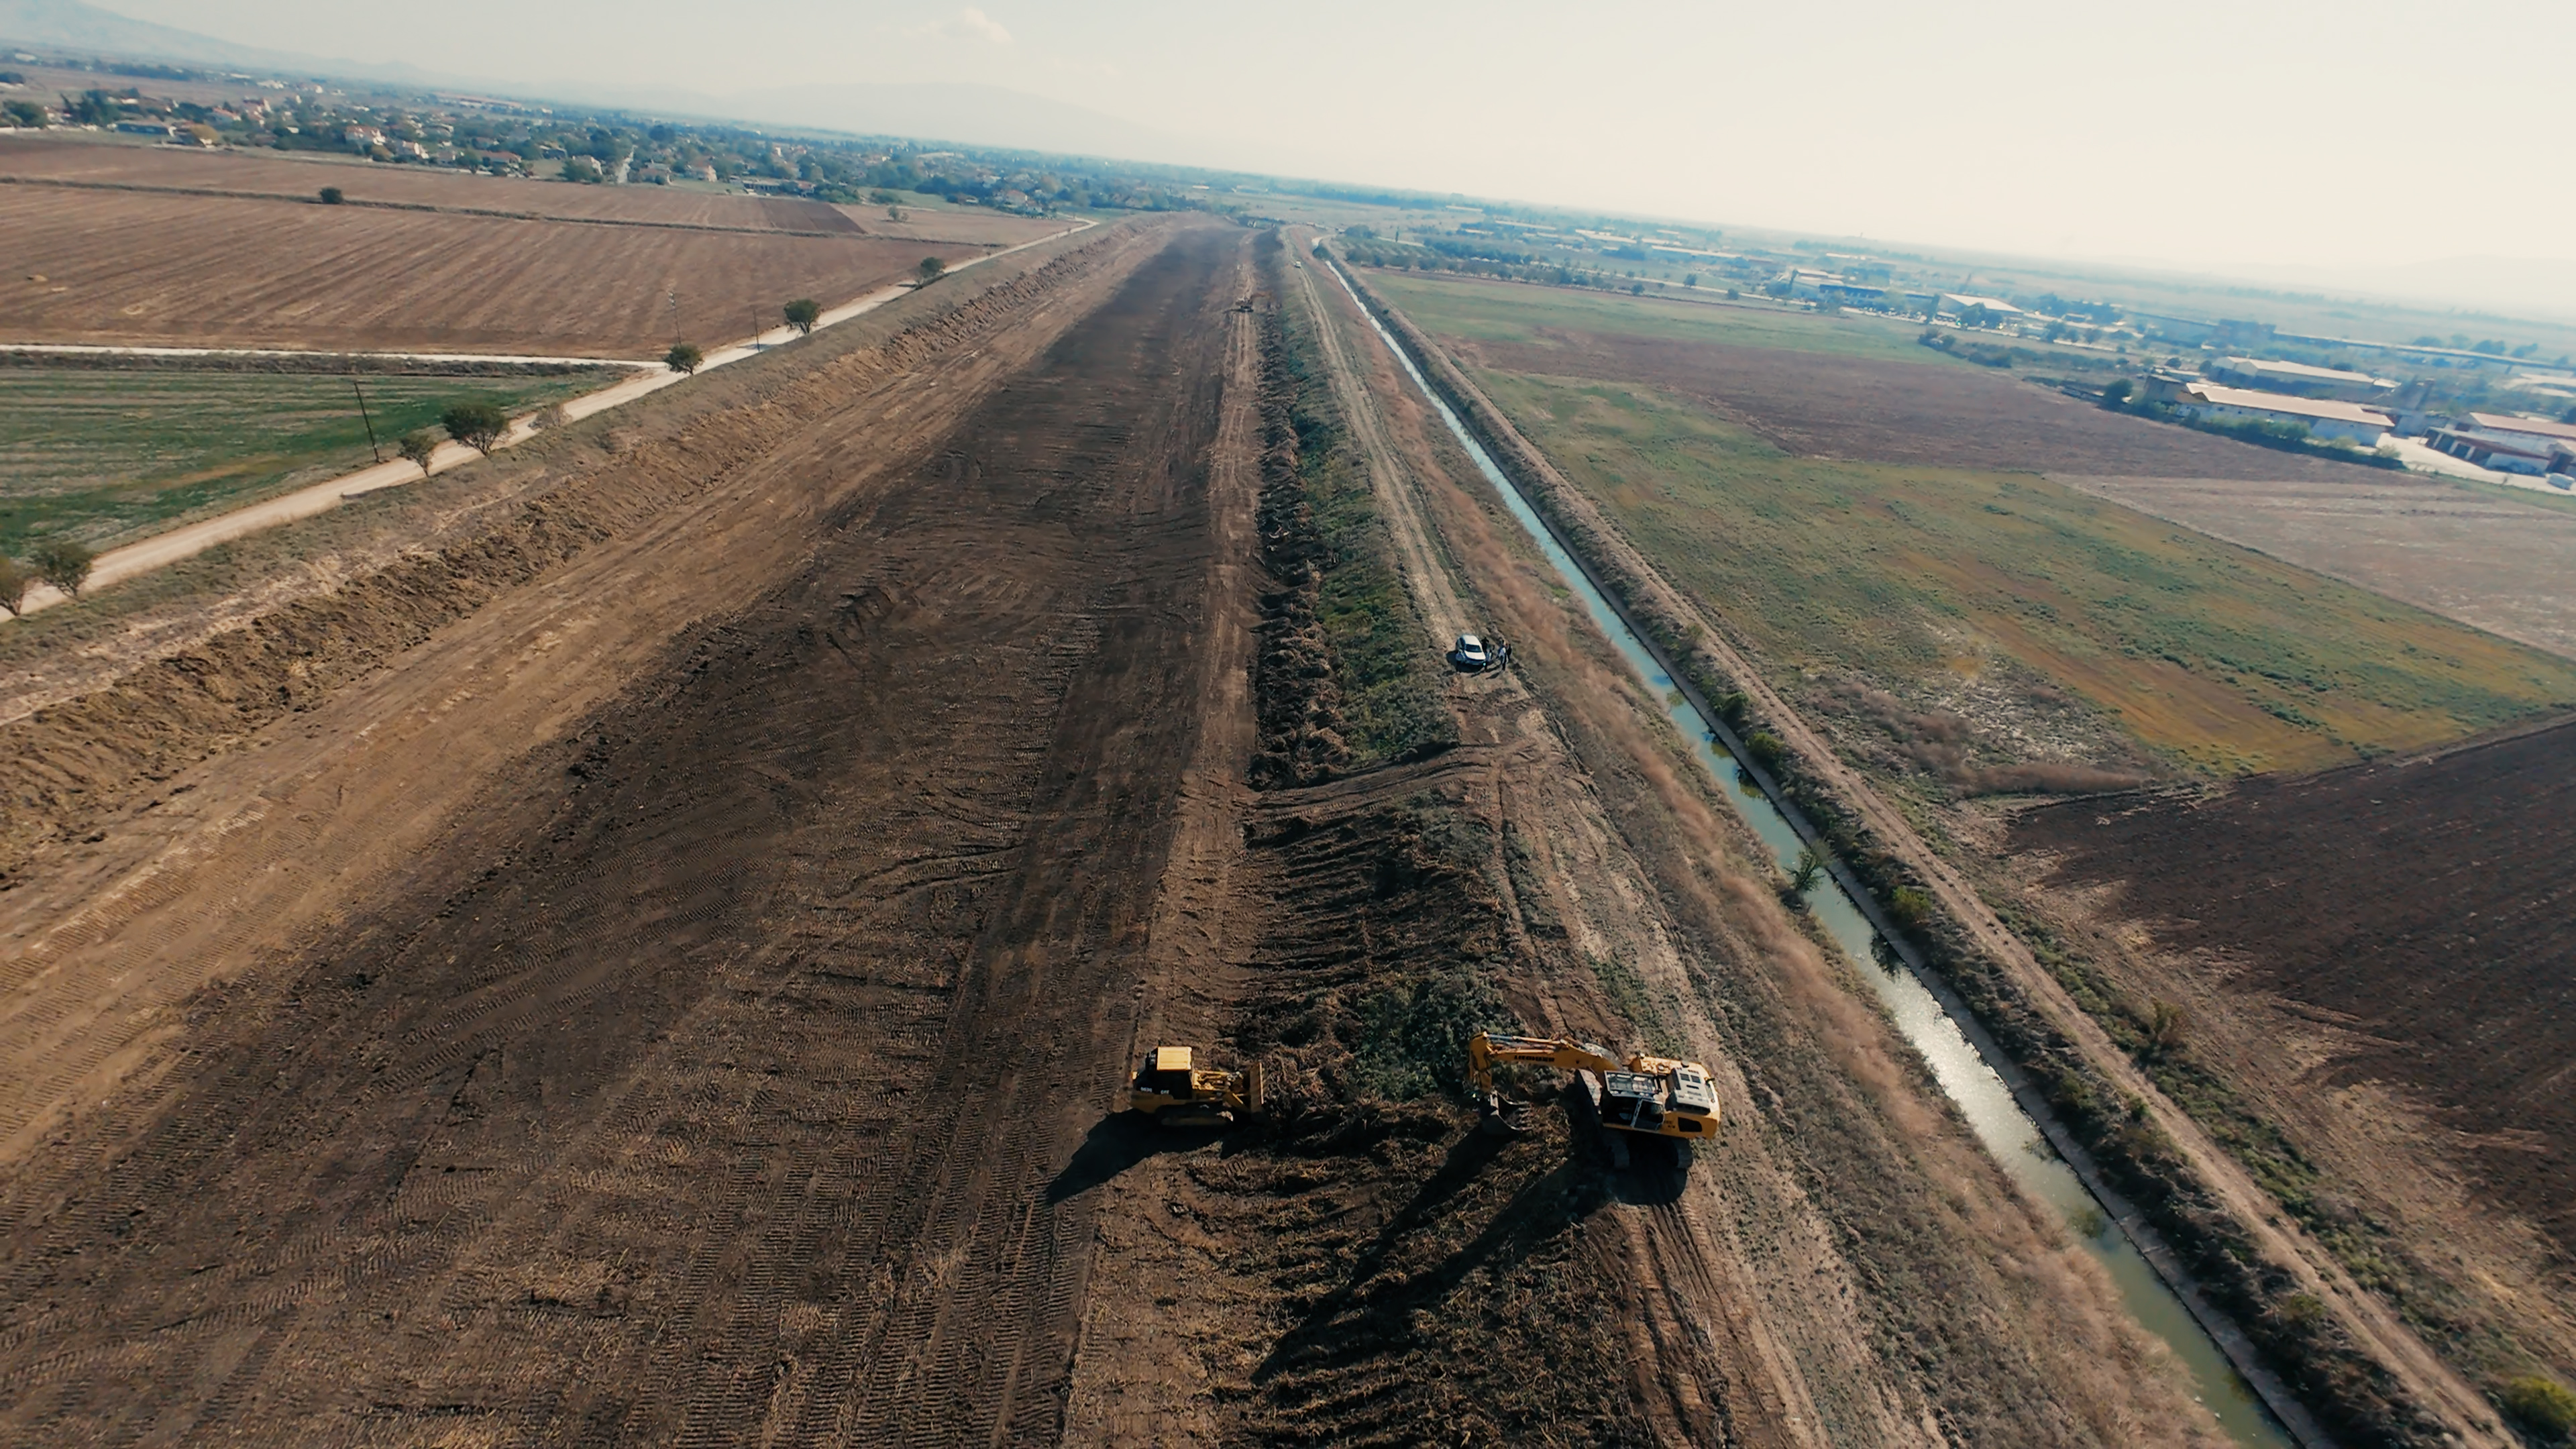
(1650, 1096)
(1170, 1087)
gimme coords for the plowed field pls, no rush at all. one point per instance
(298, 178)
(2418, 912)
(138, 268)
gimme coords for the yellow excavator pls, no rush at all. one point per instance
(1651, 1096)
(1171, 1088)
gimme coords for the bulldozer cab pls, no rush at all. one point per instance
(1165, 1070)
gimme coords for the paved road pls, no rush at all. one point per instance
(163, 549)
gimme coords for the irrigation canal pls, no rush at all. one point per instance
(2008, 1131)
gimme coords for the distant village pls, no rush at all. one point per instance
(508, 138)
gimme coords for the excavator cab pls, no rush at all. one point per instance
(1169, 1086)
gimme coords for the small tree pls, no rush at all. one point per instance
(25, 115)
(332, 196)
(2115, 393)
(1811, 866)
(931, 269)
(15, 581)
(478, 425)
(419, 446)
(803, 313)
(684, 358)
(65, 565)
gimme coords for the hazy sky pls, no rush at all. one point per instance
(2347, 136)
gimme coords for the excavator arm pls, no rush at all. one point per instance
(1563, 1053)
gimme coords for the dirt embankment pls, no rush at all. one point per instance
(1826, 1272)
(76, 762)
(2378, 955)
(695, 1068)
(2342, 1350)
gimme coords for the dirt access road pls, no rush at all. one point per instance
(696, 1075)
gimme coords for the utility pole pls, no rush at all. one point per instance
(370, 422)
(675, 317)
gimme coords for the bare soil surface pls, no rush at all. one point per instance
(2500, 565)
(2382, 952)
(1897, 412)
(702, 1067)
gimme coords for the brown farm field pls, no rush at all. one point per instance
(111, 267)
(92, 163)
(2380, 957)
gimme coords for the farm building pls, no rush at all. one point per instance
(2507, 452)
(1958, 304)
(2341, 422)
(2539, 430)
(2266, 375)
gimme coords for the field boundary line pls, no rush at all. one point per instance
(163, 549)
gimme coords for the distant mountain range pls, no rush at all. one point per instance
(974, 115)
(70, 24)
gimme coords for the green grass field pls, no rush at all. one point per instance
(1516, 312)
(2210, 655)
(107, 456)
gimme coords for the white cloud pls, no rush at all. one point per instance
(967, 24)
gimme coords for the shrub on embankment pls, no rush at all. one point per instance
(2351, 1394)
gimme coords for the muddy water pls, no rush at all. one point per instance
(1973, 1083)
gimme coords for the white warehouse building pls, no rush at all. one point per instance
(2340, 422)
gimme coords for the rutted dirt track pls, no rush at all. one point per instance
(700, 1080)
